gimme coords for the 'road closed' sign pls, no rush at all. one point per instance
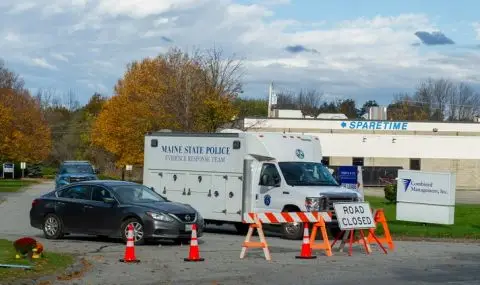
(354, 216)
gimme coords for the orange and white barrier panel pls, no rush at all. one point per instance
(256, 219)
(286, 217)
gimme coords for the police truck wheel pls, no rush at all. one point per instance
(292, 231)
(242, 228)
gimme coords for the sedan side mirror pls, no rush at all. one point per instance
(109, 201)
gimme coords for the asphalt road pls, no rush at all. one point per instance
(410, 263)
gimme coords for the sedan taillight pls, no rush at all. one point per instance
(34, 202)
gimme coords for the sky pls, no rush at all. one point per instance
(345, 48)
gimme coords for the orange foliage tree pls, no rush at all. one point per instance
(174, 91)
(25, 135)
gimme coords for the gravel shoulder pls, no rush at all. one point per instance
(410, 263)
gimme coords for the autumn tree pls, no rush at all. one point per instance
(178, 91)
(404, 108)
(25, 133)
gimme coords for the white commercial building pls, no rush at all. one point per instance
(428, 146)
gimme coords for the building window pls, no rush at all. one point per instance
(415, 164)
(326, 161)
(357, 161)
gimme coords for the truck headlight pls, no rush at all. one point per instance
(160, 217)
(315, 204)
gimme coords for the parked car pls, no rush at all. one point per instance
(74, 171)
(106, 208)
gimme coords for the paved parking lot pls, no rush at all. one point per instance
(410, 263)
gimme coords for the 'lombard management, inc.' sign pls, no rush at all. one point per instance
(427, 197)
(375, 125)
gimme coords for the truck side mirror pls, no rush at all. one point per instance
(265, 179)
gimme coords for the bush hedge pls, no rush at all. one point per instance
(390, 191)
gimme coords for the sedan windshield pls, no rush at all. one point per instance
(137, 194)
(307, 174)
(84, 169)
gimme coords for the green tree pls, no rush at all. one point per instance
(366, 106)
(251, 107)
(348, 108)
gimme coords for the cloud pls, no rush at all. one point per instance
(21, 7)
(299, 48)
(43, 63)
(476, 27)
(434, 38)
(59, 56)
(99, 38)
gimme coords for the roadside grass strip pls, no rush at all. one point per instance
(13, 185)
(50, 263)
(466, 223)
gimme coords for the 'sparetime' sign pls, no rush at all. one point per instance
(427, 197)
(354, 216)
(375, 125)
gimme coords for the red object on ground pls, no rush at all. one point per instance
(306, 252)
(194, 254)
(129, 256)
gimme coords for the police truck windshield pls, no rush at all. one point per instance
(307, 174)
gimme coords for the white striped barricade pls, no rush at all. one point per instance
(257, 219)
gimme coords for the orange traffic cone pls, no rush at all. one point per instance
(130, 248)
(194, 254)
(306, 252)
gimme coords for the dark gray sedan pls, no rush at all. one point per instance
(106, 208)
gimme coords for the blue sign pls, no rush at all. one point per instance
(267, 200)
(347, 174)
(375, 125)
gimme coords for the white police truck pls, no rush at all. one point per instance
(209, 171)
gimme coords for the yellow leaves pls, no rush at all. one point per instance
(175, 91)
(25, 135)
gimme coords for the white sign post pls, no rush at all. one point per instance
(129, 168)
(23, 165)
(354, 216)
(427, 197)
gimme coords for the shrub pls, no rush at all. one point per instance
(390, 191)
(46, 170)
(108, 177)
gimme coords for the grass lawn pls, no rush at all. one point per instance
(13, 185)
(51, 263)
(467, 222)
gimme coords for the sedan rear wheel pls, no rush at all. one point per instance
(138, 231)
(52, 227)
